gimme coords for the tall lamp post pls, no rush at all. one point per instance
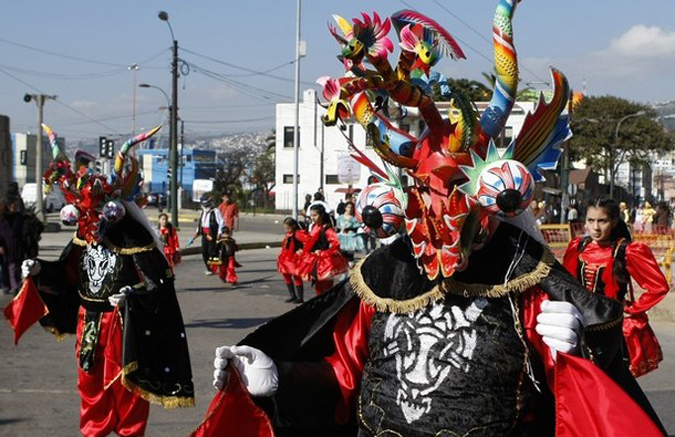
(173, 131)
(40, 102)
(612, 170)
(296, 129)
(133, 68)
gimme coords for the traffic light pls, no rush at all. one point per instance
(110, 149)
(102, 147)
(98, 167)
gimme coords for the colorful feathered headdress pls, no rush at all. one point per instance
(94, 201)
(459, 179)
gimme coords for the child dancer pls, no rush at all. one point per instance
(321, 259)
(170, 240)
(287, 262)
(227, 248)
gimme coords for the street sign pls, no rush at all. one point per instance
(349, 170)
(102, 147)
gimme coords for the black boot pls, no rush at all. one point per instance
(291, 290)
(300, 294)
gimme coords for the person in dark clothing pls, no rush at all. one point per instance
(19, 237)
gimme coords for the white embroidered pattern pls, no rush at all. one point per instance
(98, 262)
(427, 346)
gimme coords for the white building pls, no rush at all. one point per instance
(24, 151)
(6, 155)
(321, 148)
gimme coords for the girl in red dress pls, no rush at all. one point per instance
(287, 262)
(605, 262)
(170, 240)
(321, 259)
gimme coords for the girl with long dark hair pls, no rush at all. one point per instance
(287, 262)
(321, 259)
(606, 261)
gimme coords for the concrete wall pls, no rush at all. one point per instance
(6, 156)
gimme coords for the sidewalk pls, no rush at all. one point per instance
(257, 231)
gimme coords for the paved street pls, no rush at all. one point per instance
(37, 378)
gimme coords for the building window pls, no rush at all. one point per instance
(288, 179)
(288, 136)
(405, 127)
(332, 179)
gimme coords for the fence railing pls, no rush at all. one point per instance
(660, 239)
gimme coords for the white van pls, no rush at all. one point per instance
(53, 201)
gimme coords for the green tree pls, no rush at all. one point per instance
(594, 123)
(473, 90)
(262, 176)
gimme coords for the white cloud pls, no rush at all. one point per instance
(84, 105)
(644, 41)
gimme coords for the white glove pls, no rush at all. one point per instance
(258, 371)
(117, 299)
(559, 324)
(30, 267)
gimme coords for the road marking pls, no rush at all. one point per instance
(34, 390)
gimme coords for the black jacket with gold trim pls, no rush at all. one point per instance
(153, 337)
(391, 281)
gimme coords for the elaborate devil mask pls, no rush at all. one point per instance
(458, 179)
(94, 201)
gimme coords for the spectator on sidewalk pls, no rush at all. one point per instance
(19, 236)
(230, 212)
(347, 225)
(625, 213)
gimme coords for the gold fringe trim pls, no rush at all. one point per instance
(449, 285)
(58, 334)
(118, 250)
(168, 402)
(603, 326)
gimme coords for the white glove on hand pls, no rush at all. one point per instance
(117, 299)
(258, 371)
(559, 324)
(30, 267)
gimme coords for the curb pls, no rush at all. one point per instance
(243, 246)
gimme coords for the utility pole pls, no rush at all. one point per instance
(174, 135)
(296, 129)
(40, 102)
(565, 169)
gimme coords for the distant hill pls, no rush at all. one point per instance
(217, 142)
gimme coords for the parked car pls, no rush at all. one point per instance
(53, 201)
(157, 199)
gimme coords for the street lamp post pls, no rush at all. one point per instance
(296, 129)
(173, 131)
(612, 170)
(40, 102)
(133, 68)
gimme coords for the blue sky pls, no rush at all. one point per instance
(618, 47)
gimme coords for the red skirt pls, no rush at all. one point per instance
(644, 350)
(313, 267)
(287, 263)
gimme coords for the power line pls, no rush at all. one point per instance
(48, 52)
(252, 72)
(59, 101)
(236, 84)
(245, 120)
(64, 76)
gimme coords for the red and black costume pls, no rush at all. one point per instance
(169, 238)
(321, 259)
(127, 357)
(593, 264)
(227, 247)
(288, 263)
(391, 351)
